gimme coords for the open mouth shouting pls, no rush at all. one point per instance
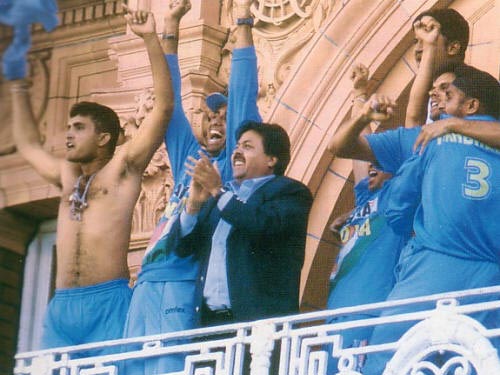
(214, 136)
(215, 139)
(434, 105)
(238, 160)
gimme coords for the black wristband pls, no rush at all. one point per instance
(166, 36)
(245, 21)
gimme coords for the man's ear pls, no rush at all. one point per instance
(454, 48)
(272, 162)
(471, 106)
(104, 138)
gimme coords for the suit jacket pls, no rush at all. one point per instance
(265, 247)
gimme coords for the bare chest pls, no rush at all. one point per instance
(77, 197)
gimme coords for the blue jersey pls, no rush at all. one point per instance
(451, 193)
(369, 253)
(391, 148)
(453, 190)
(181, 143)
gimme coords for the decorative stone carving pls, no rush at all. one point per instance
(279, 11)
(282, 28)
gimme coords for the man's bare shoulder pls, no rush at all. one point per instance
(118, 165)
(69, 173)
(117, 178)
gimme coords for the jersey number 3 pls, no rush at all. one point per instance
(477, 186)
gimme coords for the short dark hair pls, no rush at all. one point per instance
(454, 26)
(105, 119)
(274, 139)
(475, 83)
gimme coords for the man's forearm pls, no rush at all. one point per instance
(25, 131)
(487, 132)
(359, 97)
(243, 31)
(347, 141)
(162, 84)
(170, 36)
(416, 110)
(27, 136)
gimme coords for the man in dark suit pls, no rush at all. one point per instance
(251, 236)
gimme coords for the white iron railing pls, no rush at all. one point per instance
(306, 343)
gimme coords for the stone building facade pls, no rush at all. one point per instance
(305, 52)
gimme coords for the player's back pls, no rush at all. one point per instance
(460, 198)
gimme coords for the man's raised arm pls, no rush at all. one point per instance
(348, 142)
(149, 137)
(359, 77)
(244, 22)
(27, 137)
(243, 80)
(427, 36)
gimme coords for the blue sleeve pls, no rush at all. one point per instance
(391, 148)
(242, 100)
(404, 195)
(179, 137)
(187, 223)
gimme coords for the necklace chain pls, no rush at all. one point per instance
(78, 201)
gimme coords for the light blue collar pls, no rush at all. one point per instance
(248, 187)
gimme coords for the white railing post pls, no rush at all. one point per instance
(261, 348)
(41, 365)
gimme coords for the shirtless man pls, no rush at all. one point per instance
(99, 192)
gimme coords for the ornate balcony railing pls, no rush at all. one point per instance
(304, 343)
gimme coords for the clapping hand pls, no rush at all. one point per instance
(205, 173)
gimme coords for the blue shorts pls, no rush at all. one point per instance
(161, 307)
(87, 314)
(425, 272)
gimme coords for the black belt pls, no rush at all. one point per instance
(215, 317)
